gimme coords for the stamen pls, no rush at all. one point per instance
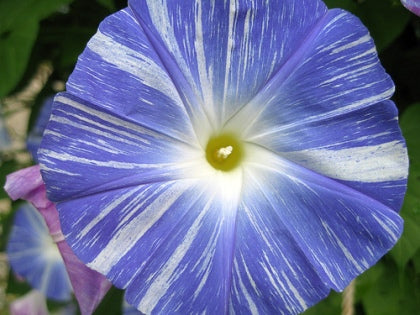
(223, 153)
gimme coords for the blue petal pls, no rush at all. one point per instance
(178, 242)
(335, 71)
(86, 150)
(271, 274)
(363, 148)
(34, 256)
(341, 231)
(226, 51)
(326, 109)
(120, 72)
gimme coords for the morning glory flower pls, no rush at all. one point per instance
(33, 255)
(227, 156)
(89, 286)
(412, 5)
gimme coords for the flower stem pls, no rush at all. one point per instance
(347, 305)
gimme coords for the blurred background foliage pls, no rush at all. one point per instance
(39, 44)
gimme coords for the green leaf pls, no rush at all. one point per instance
(109, 4)
(73, 41)
(330, 306)
(15, 49)
(368, 280)
(13, 13)
(112, 303)
(409, 243)
(19, 24)
(385, 19)
(416, 263)
(15, 286)
(392, 293)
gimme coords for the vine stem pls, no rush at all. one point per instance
(347, 304)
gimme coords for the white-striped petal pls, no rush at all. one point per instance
(341, 231)
(84, 141)
(120, 71)
(173, 233)
(227, 51)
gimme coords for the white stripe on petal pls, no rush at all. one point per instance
(376, 163)
(137, 64)
(110, 163)
(385, 226)
(205, 80)
(111, 119)
(159, 15)
(114, 204)
(355, 43)
(166, 276)
(252, 307)
(113, 252)
(334, 238)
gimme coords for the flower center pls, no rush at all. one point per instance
(224, 152)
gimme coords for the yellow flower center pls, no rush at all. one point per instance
(224, 152)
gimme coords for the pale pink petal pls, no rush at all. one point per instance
(32, 303)
(24, 183)
(89, 286)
